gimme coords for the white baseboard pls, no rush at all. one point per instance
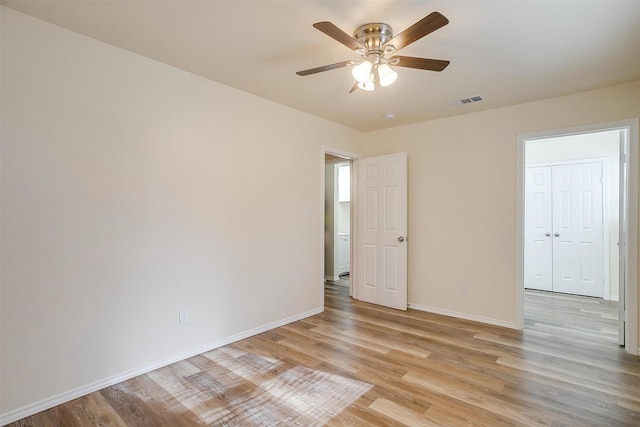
(465, 316)
(332, 278)
(613, 298)
(34, 408)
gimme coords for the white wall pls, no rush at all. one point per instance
(589, 146)
(132, 190)
(463, 196)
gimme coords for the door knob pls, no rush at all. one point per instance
(547, 234)
(556, 234)
(400, 239)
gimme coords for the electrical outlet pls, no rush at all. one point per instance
(183, 318)
(464, 289)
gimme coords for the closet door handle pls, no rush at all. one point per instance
(547, 234)
(556, 234)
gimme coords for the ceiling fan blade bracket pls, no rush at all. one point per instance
(326, 68)
(392, 61)
(420, 63)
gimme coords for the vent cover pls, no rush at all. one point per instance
(469, 100)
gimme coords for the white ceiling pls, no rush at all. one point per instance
(509, 51)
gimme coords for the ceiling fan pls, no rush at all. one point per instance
(375, 44)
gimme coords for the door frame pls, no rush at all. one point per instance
(628, 189)
(353, 291)
(604, 162)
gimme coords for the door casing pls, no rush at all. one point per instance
(354, 205)
(629, 190)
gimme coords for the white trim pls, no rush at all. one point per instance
(339, 152)
(353, 220)
(631, 282)
(520, 167)
(332, 278)
(59, 399)
(480, 319)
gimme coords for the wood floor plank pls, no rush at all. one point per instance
(400, 413)
(358, 364)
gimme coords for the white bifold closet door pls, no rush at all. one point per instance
(564, 229)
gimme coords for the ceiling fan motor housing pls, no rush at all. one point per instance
(373, 36)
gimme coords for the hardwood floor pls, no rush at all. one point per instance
(583, 318)
(360, 364)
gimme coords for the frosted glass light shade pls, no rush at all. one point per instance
(386, 74)
(368, 85)
(361, 71)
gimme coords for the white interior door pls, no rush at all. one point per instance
(578, 229)
(382, 230)
(538, 226)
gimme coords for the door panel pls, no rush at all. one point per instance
(538, 229)
(382, 215)
(578, 229)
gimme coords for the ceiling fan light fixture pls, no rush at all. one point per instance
(362, 71)
(386, 75)
(369, 85)
(375, 43)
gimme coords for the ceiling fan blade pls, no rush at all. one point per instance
(337, 34)
(419, 63)
(426, 25)
(354, 88)
(325, 68)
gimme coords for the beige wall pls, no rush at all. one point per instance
(132, 190)
(462, 195)
(602, 145)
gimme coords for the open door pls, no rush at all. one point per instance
(382, 230)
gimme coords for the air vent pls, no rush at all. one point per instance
(470, 100)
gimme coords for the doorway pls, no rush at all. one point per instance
(338, 272)
(616, 160)
(378, 203)
(337, 224)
